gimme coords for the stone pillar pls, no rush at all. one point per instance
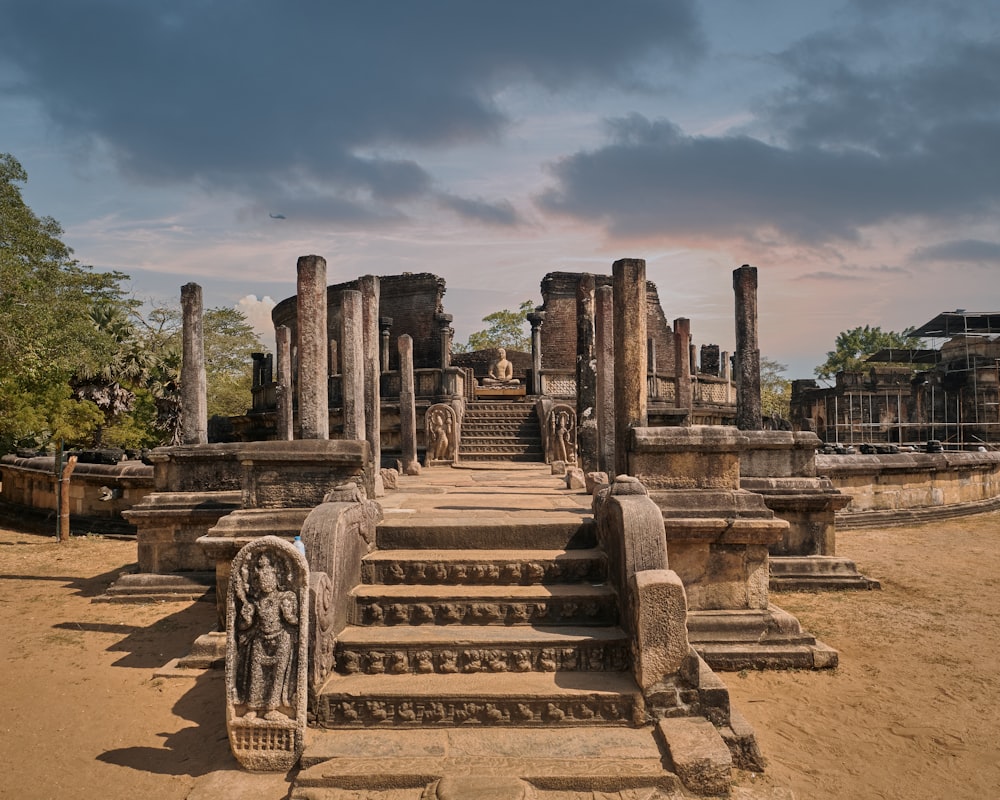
(352, 373)
(370, 343)
(629, 276)
(748, 404)
(682, 362)
(604, 347)
(283, 342)
(313, 388)
(334, 358)
(535, 319)
(194, 391)
(586, 376)
(384, 324)
(407, 408)
(444, 322)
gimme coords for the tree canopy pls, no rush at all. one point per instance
(775, 389)
(506, 329)
(79, 360)
(855, 345)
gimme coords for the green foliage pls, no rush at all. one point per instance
(855, 345)
(775, 389)
(506, 329)
(47, 331)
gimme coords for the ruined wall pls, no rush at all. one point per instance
(559, 328)
(412, 300)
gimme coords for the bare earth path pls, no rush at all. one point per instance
(912, 712)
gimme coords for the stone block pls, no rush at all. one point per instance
(558, 467)
(575, 478)
(596, 481)
(696, 457)
(659, 609)
(700, 756)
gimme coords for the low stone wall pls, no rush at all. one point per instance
(30, 483)
(908, 486)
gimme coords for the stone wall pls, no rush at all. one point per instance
(410, 300)
(911, 481)
(31, 483)
(559, 329)
(479, 362)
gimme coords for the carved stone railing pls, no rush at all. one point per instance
(558, 383)
(630, 529)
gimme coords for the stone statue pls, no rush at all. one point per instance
(439, 439)
(267, 623)
(501, 373)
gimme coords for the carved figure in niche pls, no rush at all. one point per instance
(267, 621)
(501, 372)
(425, 661)
(439, 435)
(562, 441)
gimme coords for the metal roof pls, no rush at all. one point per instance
(955, 323)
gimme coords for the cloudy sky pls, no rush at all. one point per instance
(849, 150)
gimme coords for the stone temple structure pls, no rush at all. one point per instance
(513, 639)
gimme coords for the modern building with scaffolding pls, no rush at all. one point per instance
(948, 392)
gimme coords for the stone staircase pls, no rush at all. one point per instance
(500, 431)
(485, 652)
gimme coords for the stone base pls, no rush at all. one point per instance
(208, 652)
(816, 573)
(524, 763)
(144, 587)
(756, 639)
(512, 393)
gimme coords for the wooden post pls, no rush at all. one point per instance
(67, 470)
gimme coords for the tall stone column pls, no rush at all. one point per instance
(586, 375)
(334, 357)
(352, 373)
(748, 404)
(604, 348)
(446, 333)
(407, 408)
(682, 362)
(629, 276)
(283, 343)
(313, 383)
(385, 324)
(194, 390)
(535, 319)
(370, 343)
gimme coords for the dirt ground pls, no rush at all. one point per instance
(912, 712)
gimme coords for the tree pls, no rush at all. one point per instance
(775, 389)
(47, 330)
(854, 346)
(506, 329)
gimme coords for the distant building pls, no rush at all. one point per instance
(950, 393)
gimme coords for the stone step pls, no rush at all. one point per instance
(505, 448)
(553, 604)
(503, 458)
(482, 762)
(503, 531)
(497, 567)
(529, 699)
(470, 649)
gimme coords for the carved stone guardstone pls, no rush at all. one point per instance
(441, 434)
(559, 434)
(267, 654)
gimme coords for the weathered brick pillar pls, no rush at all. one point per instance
(629, 276)
(194, 390)
(283, 392)
(535, 319)
(748, 405)
(373, 397)
(407, 408)
(313, 383)
(682, 361)
(586, 375)
(352, 372)
(604, 348)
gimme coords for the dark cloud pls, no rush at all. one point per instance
(972, 251)
(857, 137)
(501, 214)
(827, 276)
(313, 94)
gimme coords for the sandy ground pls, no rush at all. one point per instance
(912, 712)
